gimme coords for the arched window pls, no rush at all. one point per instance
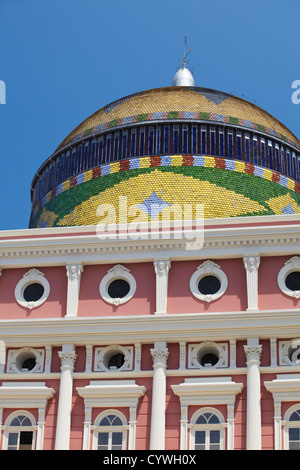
(292, 428)
(110, 432)
(207, 430)
(20, 431)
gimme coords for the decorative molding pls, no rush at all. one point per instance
(159, 356)
(74, 276)
(197, 351)
(67, 359)
(17, 356)
(161, 268)
(117, 272)
(289, 352)
(102, 356)
(32, 276)
(251, 264)
(253, 353)
(205, 269)
(293, 264)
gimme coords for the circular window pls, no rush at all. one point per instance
(208, 282)
(116, 361)
(292, 281)
(209, 285)
(26, 360)
(289, 278)
(117, 286)
(118, 289)
(32, 290)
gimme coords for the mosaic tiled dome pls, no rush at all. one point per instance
(173, 145)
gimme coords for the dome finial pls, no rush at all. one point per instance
(183, 76)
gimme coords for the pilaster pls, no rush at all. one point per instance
(74, 275)
(251, 264)
(162, 273)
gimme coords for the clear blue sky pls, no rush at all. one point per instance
(61, 60)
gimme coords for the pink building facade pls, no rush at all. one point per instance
(152, 339)
(73, 360)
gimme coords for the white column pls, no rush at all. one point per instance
(162, 273)
(183, 427)
(87, 428)
(253, 353)
(251, 264)
(230, 426)
(273, 350)
(74, 275)
(182, 355)
(157, 435)
(40, 429)
(132, 427)
(277, 425)
(63, 425)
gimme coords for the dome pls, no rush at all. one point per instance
(171, 145)
(183, 77)
(180, 103)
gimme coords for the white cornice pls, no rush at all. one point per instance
(142, 329)
(267, 236)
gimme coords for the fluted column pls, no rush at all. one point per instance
(251, 264)
(253, 353)
(162, 273)
(157, 435)
(63, 425)
(74, 275)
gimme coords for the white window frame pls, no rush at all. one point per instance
(14, 355)
(207, 427)
(293, 264)
(220, 349)
(287, 424)
(206, 269)
(32, 276)
(102, 353)
(110, 429)
(111, 394)
(117, 272)
(8, 429)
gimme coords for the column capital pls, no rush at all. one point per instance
(74, 271)
(251, 263)
(253, 353)
(159, 356)
(162, 267)
(67, 359)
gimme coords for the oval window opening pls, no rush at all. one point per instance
(118, 289)
(116, 361)
(292, 281)
(209, 360)
(33, 292)
(209, 285)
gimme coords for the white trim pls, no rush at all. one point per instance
(208, 391)
(193, 427)
(32, 276)
(102, 355)
(284, 388)
(288, 352)
(8, 429)
(117, 272)
(205, 269)
(17, 355)
(111, 394)
(219, 349)
(109, 429)
(293, 264)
